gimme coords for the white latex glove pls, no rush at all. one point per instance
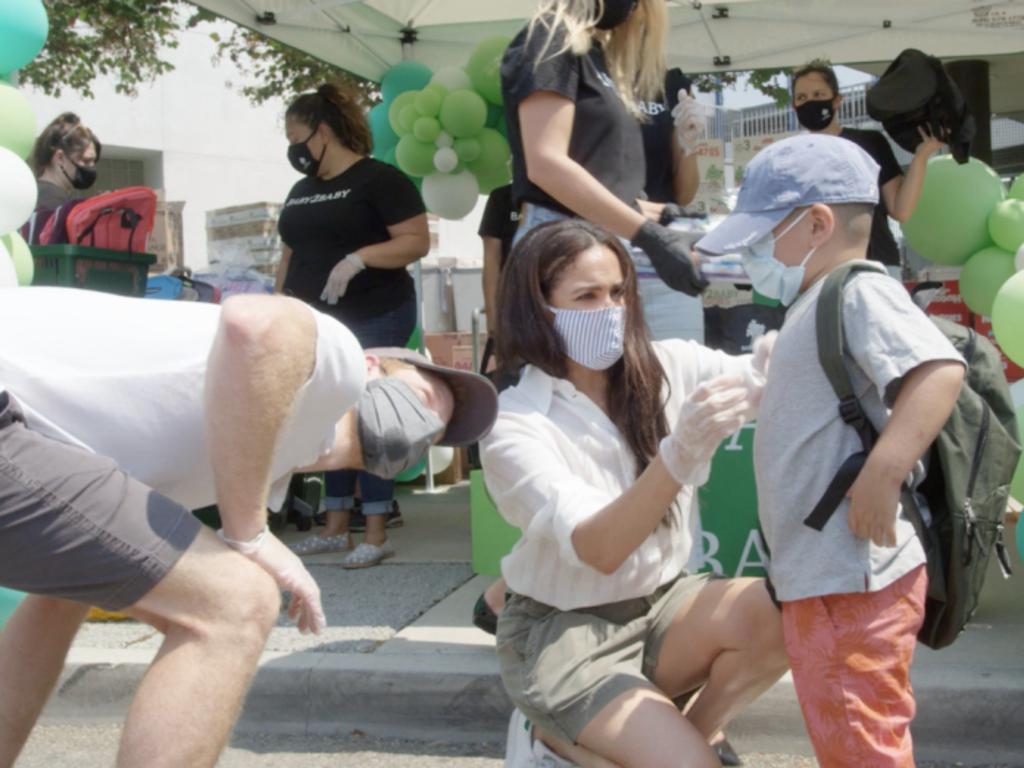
(291, 575)
(691, 122)
(341, 275)
(710, 414)
(757, 375)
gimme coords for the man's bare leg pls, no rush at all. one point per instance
(216, 609)
(33, 646)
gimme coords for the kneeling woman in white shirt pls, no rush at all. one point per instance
(596, 457)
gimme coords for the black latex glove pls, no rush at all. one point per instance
(670, 213)
(670, 256)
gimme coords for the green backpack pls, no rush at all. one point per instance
(970, 466)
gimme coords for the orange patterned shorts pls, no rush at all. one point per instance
(850, 655)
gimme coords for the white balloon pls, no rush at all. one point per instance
(1019, 260)
(451, 195)
(444, 140)
(452, 78)
(18, 191)
(8, 277)
(445, 160)
(441, 458)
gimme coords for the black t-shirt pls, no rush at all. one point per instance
(605, 139)
(500, 219)
(883, 246)
(659, 133)
(324, 221)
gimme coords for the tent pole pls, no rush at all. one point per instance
(972, 77)
(407, 55)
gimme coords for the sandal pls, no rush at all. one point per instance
(318, 545)
(367, 555)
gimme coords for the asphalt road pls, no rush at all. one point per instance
(93, 747)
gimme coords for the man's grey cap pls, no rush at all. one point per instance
(793, 173)
(476, 399)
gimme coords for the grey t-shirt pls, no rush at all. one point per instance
(801, 441)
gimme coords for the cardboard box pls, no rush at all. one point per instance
(453, 349)
(244, 235)
(167, 241)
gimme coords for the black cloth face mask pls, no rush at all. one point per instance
(302, 159)
(816, 115)
(84, 176)
(615, 13)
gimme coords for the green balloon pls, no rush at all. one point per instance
(439, 89)
(1017, 484)
(1017, 188)
(384, 136)
(24, 264)
(413, 472)
(389, 157)
(494, 153)
(982, 277)
(484, 67)
(463, 113)
(426, 129)
(23, 31)
(951, 219)
(428, 102)
(491, 179)
(415, 157)
(403, 77)
(1008, 318)
(407, 118)
(1006, 224)
(17, 121)
(395, 109)
(468, 150)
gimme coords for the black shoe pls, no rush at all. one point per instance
(357, 520)
(483, 617)
(726, 754)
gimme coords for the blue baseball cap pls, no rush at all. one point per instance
(793, 173)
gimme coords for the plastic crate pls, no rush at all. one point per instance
(97, 269)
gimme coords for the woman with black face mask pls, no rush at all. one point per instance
(64, 158)
(816, 100)
(350, 228)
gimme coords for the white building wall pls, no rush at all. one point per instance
(215, 148)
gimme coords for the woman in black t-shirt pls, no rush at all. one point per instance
(350, 229)
(572, 80)
(816, 100)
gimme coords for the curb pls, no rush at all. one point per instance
(460, 697)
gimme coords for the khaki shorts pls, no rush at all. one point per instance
(561, 668)
(74, 526)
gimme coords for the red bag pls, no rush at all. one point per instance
(120, 220)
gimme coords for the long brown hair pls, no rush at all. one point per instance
(341, 108)
(526, 334)
(64, 132)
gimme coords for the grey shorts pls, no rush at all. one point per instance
(73, 525)
(561, 668)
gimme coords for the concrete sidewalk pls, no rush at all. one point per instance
(401, 659)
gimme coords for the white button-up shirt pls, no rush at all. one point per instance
(554, 458)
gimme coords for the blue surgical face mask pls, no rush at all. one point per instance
(770, 276)
(594, 338)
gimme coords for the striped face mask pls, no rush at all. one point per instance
(592, 337)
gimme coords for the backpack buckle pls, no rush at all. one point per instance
(852, 412)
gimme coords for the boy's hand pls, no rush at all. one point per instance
(874, 500)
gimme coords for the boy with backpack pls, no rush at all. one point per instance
(853, 592)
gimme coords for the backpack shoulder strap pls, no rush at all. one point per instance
(831, 341)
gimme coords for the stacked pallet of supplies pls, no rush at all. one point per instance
(244, 236)
(166, 241)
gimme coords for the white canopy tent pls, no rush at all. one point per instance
(368, 37)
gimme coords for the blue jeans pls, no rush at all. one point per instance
(390, 329)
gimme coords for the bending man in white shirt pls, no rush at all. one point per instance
(117, 417)
(596, 456)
